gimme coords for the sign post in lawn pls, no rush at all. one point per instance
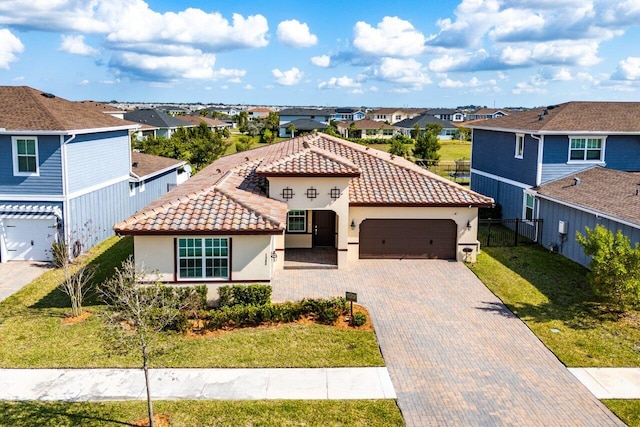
(351, 297)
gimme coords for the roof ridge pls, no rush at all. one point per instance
(235, 199)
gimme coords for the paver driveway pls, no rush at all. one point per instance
(455, 353)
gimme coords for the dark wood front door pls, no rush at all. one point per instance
(324, 228)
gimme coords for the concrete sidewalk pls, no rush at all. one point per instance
(610, 383)
(15, 275)
(75, 385)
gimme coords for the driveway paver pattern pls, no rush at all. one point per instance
(456, 355)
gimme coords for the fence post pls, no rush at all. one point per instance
(517, 231)
(489, 233)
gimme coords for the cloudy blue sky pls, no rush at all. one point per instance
(404, 53)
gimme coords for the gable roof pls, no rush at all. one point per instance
(422, 120)
(144, 166)
(607, 191)
(384, 180)
(155, 117)
(307, 112)
(196, 120)
(305, 124)
(574, 117)
(23, 108)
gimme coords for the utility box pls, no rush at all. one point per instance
(563, 227)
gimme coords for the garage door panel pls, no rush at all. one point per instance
(407, 238)
(29, 239)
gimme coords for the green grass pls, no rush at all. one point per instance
(550, 292)
(32, 334)
(205, 413)
(453, 150)
(627, 410)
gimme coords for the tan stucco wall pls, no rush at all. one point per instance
(465, 238)
(250, 256)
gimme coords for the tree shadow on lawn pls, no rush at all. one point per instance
(562, 281)
(31, 413)
(104, 265)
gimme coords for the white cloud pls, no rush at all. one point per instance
(393, 37)
(224, 87)
(76, 46)
(18, 79)
(339, 82)
(323, 61)
(515, 56)
(555, 74)
(248, 87)
(293, 33)
(405, 72)
(288, 77)
(165, 67)
(83, 83)
(628, 69)
(10, 46)
(234, 75)
(472, 83)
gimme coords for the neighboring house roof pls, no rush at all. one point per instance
(366, 124)
(607, 191)
(307, 112)
(423, 120)
(305, 124)
(487, 111)
(196, 120)
(23, 108)
(229, 196)
(145, 166)
(260, 110)
(571, 117)
(434, 111)
(155, 117)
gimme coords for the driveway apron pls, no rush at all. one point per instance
(456, 355)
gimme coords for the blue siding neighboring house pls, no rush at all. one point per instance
(65, 169)
(321, 115)
(513, 155)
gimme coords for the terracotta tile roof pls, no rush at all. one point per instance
(25, 108)
(147, 165)
(308, 161)
(574, 117)
(610, 192)
(235, 180)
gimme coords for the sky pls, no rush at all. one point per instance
(494, 53)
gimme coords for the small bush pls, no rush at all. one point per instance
(328, 316)
(359, 319)
(60, 253)
(255, 294)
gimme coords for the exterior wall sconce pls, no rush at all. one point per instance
(312, 193)
(353, 225)
(468, 225)
(274, 255)
(335, 193)
(287, 193)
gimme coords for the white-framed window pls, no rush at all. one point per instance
(132, 189)
(528, 211)
(586, 149)
(519, 146)
(203, 258)
(141, 187)
(297, 221)
(25, 156)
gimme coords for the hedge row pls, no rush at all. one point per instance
(255, 294)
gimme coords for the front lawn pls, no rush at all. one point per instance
(32, 334)
(185, 413)
(551, 295)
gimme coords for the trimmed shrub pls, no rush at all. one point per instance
(359, 319)
(255, 294)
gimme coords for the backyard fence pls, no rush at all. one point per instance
(509, 232)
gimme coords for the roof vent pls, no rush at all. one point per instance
(48, 95)
(545, 112)
(576, 181)
(135, 164)
(540, 116)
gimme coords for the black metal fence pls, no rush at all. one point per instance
(509, 232)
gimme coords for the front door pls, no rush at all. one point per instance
(324, 228)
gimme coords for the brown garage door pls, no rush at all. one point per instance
(408, 238)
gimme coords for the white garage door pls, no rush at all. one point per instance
(29, 239)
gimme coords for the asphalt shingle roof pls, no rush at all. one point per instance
(422, 120)
(25, 108)
(145, 165)
(611, 192)
(236, 180)
(575, 117)
(155, 117)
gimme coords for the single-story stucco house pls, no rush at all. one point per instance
(235, 219)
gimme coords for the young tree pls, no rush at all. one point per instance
(272, 122)
(426, 147)
(76, 279)
(146, 310)
(434, 128)
(463, 134)
(353, 130)
(243, 144)
(242, 119)
(398, 148)
(615, 265)
(292, 129)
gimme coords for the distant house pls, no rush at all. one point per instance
(320, 115)
(486, 113)
(393, 115)
(406, 126)
(514, 155)
(172, 110)
(152, 176)
(66, 172)
(301, 126)
(212, 124)
(447, 114)
(258, 113)
(236, 220)
(367, 129)
(165, 124)
(342, 114)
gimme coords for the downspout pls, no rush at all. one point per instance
(65, 189)
(539, 161)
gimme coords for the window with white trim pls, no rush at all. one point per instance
(586, 149)
(141, 187)
(203, 258)
(297, 221)
(529, 206)
(132, 189)
(25, 156)
(519, 146)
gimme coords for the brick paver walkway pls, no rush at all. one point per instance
(455, 353)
